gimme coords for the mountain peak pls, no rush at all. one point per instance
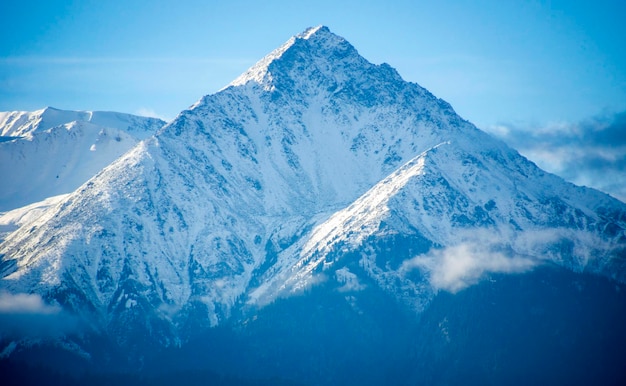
(320, 30)
(314, 42)
(322, 36)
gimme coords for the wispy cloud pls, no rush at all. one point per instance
(480, 253)
(349, 280)
(27, 315)
(457, 267)
(25, 304)
(591, 152)
(148, 112)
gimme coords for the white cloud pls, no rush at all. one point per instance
(27, 315)
(147, 112)
(25, 304)
(480, 253)
(349, 280)
(460, 266)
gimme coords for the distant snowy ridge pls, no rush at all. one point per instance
(25, 123)
(314, 165)
(53, 151)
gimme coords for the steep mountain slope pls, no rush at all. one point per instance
(314, 166)
(51, 152)
(456, 213)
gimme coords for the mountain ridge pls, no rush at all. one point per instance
(51, 152)
(25, 123)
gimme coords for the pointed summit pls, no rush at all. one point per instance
(314, 52)
(322, 36)
(318, 62)
(320, 29)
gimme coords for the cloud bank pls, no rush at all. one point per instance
(591, 152)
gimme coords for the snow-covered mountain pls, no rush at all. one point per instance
(314, 166)
(27, 123)
(51, 152)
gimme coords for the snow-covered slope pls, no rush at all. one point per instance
(26, 123)
(314, 164)
(51, 152)
(448, 218)
(13, 219)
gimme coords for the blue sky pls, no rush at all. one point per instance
(507, 66)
